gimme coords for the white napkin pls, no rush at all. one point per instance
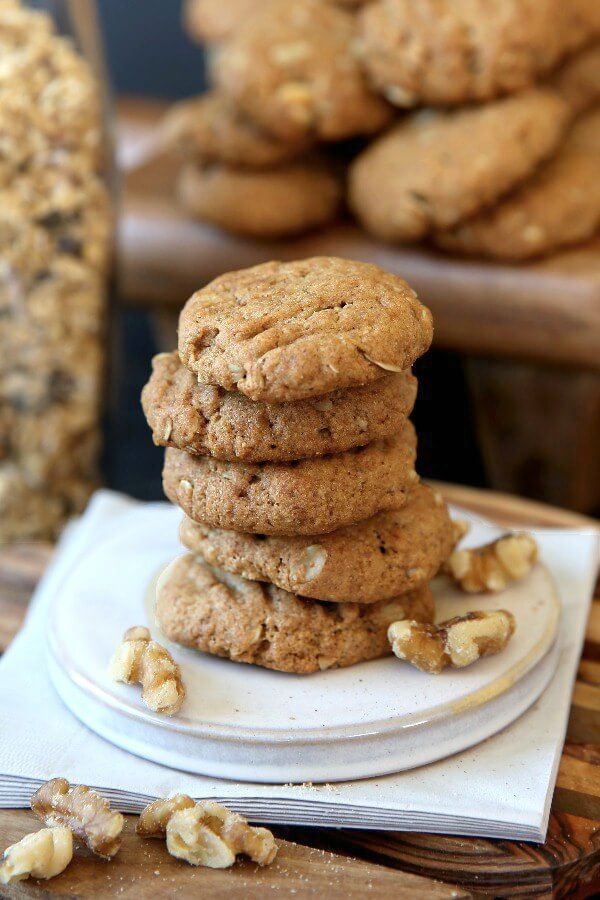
(501, 788)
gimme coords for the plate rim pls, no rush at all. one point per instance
(299, 736)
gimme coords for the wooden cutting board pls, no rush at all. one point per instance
(568, 864)
(548, 310)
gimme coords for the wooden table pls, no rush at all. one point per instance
(530, 334)
(323, 862)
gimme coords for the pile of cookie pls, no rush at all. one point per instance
(285, 414)
(450, 121)
(55, 237)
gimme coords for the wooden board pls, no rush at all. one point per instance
(567, 864)
(548, 310)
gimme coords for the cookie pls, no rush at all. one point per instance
(310, 496)
(273, 203)
(292, 67)
(289, 331)
(578, 81)
(559, 206)
(208, 421)
(208, 129)
(388, 555)
(448, 52)
(250, 622)
(436, 169)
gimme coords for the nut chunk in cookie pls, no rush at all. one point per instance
(293, 68)
(459, 642)
(493, 566)
(288, 331)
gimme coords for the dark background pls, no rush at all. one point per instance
(149, 54)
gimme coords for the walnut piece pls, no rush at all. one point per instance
(84, 811)
(205, 833)
(494, 566)
(154, 819)
(43, 854)
(140, 660)
(458, 642)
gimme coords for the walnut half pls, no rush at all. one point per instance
(84, 811)
(43, 854)
(458, 642)
(138, 659)
(205, 833)
(493, 566)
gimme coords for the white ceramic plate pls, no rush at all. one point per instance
(246, 723)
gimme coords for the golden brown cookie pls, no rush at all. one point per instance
(250, 622)
(557, 207)
(446, 52)
(310, 496)
(436, 169)
(388, 555)
(208, 129)
(292, 67)
(272, 203)
(289, 331)
(578, 81)
(206, 420)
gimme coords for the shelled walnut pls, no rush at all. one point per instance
(205, 833)
(139, 659)
(43, 854)
(493, 566)
(84, 811)
(458, 642)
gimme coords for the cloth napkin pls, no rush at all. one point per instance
(501, 788)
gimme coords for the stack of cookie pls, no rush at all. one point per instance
(292, 457)
(486, 112)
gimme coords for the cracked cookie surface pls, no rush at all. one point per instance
(385, 556)
(310, 496)
(206, 420)
(288, 331)
(252, 622)
(436, 169)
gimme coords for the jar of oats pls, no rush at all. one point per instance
(56, 230)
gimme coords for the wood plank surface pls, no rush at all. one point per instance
(143, 869)
(548, 310)
(568, 864)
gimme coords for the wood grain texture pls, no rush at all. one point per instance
(568, 864)
(144, 869)
(549, 310)
(538, 429)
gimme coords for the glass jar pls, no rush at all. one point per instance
(56, 239)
